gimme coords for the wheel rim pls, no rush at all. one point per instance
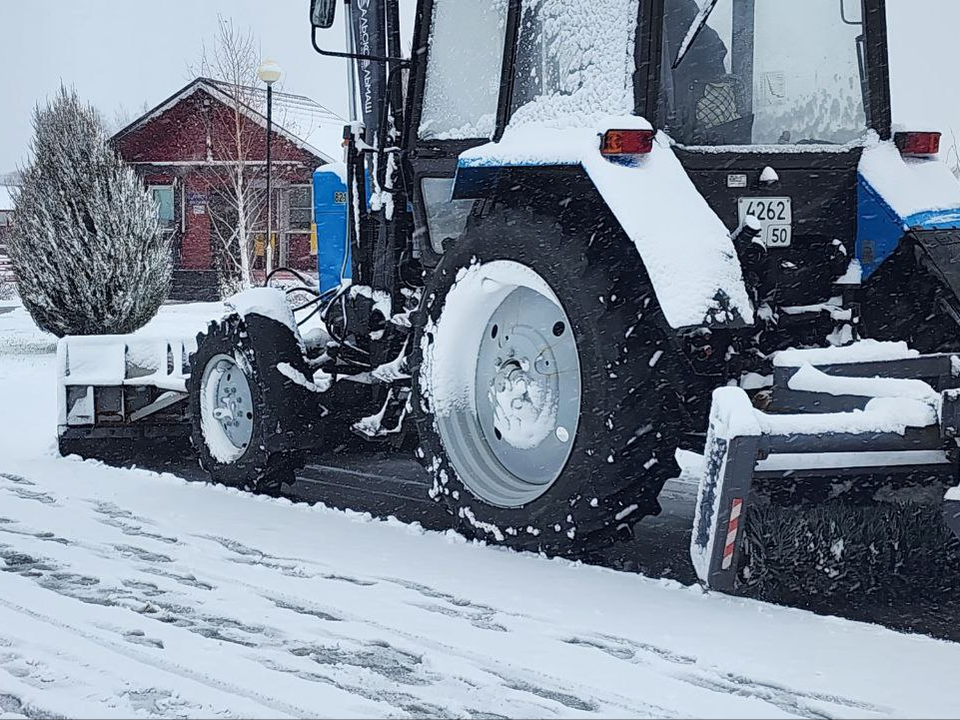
(226, 409)
(508, 414)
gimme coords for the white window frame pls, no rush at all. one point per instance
(288, 192)
(172, 187)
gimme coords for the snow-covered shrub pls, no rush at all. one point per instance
(87, 248)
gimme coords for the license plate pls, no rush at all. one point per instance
(776, 218)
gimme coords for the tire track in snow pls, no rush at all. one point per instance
(188, 561)
(149, 659)
(377, 660)
(50, 577)
(534, 687)
(534, 684)
(548, 688)
(792, 701)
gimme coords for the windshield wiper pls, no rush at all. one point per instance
(698, 24)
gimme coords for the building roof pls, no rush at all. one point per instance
(315, 124)
(301, 120)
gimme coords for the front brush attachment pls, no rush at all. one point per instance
(838, 485)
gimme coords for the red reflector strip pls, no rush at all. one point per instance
(627, 142)
(918, 143)
(735, 509)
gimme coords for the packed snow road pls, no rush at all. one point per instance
(127, 592)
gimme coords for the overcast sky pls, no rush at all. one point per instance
(127, 52)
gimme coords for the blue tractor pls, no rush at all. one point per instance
(567, 224)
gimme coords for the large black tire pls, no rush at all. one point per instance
(283, 411)
(624, 447)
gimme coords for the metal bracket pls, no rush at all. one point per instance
(161, 403)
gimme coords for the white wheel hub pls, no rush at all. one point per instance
(503, 373)
(226, 409)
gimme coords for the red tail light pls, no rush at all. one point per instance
(918, 143)
(627, 142)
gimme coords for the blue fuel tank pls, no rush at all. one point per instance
(330, 220)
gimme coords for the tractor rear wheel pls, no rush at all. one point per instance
(544, 413)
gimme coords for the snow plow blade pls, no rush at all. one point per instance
(120, 388)
(844, 412)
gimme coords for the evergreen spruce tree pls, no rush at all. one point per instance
(87, 248)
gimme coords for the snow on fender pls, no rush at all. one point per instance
(265, 301)
(657, 205)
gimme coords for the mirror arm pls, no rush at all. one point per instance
(402, 62)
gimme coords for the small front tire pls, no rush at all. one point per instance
(247, 417)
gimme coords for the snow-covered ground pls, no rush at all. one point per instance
(126, 592)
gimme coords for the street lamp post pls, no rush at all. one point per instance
(269, 73)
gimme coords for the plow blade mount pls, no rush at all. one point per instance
(870, 408)
(121, 388)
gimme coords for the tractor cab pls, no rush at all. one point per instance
(767, 104)
(758, 74)
(771, 105)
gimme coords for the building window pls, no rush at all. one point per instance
(300, 198)
(166, 209)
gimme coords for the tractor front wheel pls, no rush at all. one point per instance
(247, 415)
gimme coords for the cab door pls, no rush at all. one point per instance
(454, 104)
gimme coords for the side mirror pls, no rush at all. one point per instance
(322, 13)
(850, 18)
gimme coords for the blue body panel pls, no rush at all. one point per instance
(330, 216)
(880, 228)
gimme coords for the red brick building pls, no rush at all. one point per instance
(202, 153)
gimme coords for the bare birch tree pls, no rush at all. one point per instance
(953, 155)
(234, 173)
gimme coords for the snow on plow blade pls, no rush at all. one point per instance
(842, 412)
(121, 387)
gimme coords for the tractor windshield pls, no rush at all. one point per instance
(763, 72)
